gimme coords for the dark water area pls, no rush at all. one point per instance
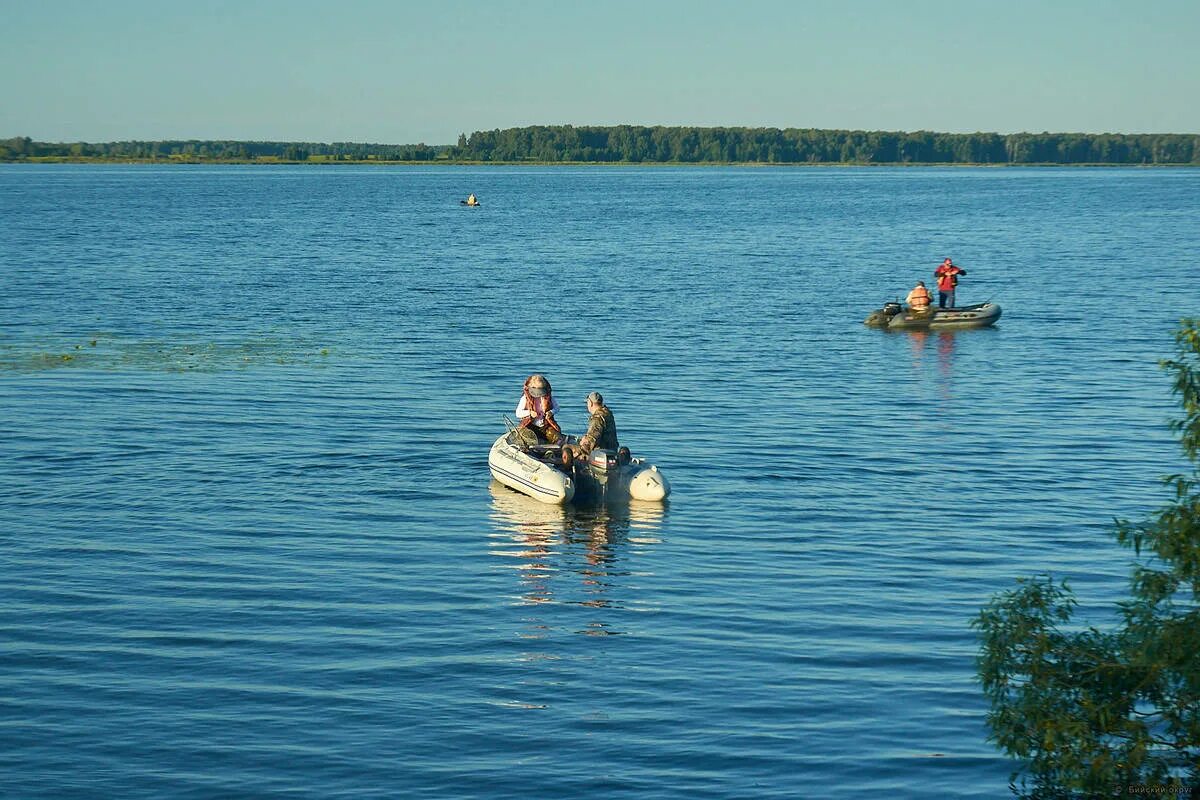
(249, 547)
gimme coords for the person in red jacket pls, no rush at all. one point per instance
(947, 279)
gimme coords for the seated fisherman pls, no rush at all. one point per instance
(919, 298)
(602, 427)
(536, 408)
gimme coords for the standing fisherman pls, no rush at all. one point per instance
(947, 279)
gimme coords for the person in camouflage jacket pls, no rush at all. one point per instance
(602, 427)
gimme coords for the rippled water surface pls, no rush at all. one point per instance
(248, 544)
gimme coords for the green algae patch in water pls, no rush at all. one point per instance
(104, 352)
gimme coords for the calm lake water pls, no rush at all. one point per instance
(249, 547)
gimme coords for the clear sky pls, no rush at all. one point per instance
(404, 72)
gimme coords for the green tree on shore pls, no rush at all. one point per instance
(1114, 713)
(667, 145)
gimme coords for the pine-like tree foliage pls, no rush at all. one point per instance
(1116, 713)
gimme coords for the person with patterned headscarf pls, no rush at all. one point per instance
(535, 409)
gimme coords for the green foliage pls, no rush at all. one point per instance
(1109, 713)
(680, 145)
(22, 149)
(634, 144)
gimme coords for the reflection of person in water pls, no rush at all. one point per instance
(945, 349)
(553, 543)
(917, 339)
(601, 532)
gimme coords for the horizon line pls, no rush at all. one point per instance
(620, 125)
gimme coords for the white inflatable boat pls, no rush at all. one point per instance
(543, 472)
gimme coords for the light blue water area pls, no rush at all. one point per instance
(248, 544)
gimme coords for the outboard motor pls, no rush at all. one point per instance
(602, 465)
(602, 462)
(882, 317)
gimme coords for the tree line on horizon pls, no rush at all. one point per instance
(660, 144)
(637, 144)
(22, 148)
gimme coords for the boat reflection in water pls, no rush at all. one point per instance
(580, 556)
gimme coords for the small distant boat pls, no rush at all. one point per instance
(894, 317)
(545, 473)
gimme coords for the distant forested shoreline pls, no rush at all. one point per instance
(633, 144)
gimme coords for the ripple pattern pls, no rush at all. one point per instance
(248, 545)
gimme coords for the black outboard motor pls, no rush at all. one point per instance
(891, 309)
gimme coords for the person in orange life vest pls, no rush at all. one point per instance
(536, 408)
(919, 298)
(947, 278)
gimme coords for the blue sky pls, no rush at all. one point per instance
(406, 72)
